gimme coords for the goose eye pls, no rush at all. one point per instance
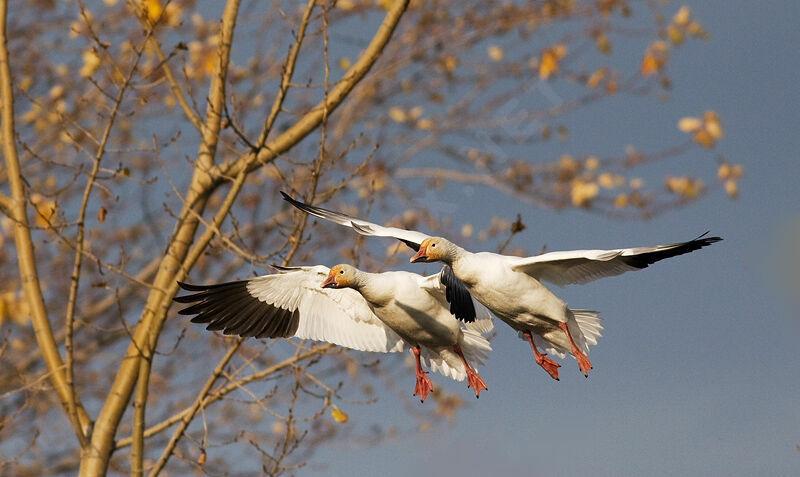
(341, 272)
(433, 245)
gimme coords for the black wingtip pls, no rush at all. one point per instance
(290, 199)
(281, 268)
(457, 295)
(708, 240)
(190, 287)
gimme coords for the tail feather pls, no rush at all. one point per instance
(585, 330)
(590, 325)
(475, 348)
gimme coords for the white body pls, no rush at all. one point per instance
(416, 309)
(523, 303)
(510, 286)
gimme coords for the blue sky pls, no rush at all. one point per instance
(697, 372)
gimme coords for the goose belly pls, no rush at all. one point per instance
(519, 300)
(420, 324)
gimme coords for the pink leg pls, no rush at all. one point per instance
(583, 361)
(423, 386)
(473, 380)
(541, 358)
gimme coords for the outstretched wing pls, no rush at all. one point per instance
(461, 304)
(411, 238)
(290, 304)
(583, 266)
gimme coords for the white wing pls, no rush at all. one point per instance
(411, 238)
(290, 304)
(583, 266)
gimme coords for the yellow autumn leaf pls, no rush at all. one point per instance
(603, 44)
(712, 125)
(714, 130)
(338, 415)
(649, 64)
(655, 57)
(450, 63)
(91, 60)
(591, 163)
(56, 91)
(425, 124)
(697, 30)
(346, 5)
(152, 9)
(595, 78)
(704, 138)
(681, 18)
(15, 307)
(466, 230)
(172, 14)
(25, 83)
(608, 180)
(731, 188)
(278, 428)
(46, 210)
(344, 63)
(582, 193)
(567, 168)
(548, 65)
(495, 52)
(689, 124)
(684, 186)
(724, 171)
(398, 115)
(675, 35)
(621, 201)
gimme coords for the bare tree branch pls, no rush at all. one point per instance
(220, 393)
(24, 244)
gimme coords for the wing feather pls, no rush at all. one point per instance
(583, 266)
(290, 304)
(411, 238)
(448, 288)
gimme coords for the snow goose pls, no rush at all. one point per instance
(381, 312)
(511, 286)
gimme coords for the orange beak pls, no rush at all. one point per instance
(420, 256)
(329, 282)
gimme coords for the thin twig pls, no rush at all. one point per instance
(220, 393)
(286, 78)
(197, 405)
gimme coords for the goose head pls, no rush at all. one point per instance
(340, 276)
(432, 249)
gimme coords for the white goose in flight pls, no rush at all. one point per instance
(380, 312)
(511, 286)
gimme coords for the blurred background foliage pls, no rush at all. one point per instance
(466, 94)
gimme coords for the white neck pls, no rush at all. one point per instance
(367, 285)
